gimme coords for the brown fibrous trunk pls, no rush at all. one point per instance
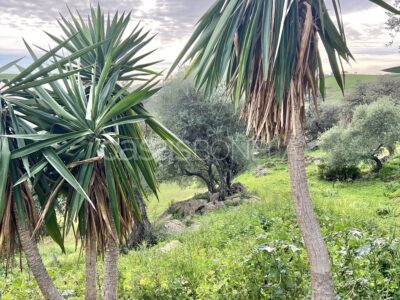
(35, 261)
(321, 276)
(91, 255)
(110, 284)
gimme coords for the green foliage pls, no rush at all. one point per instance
(6, 76)
(373, 127)
(341, 173)
(390, 170)
(367, 92)
(72, 117)
(329, 116)
(254, 251)
(254, 47)
(334, 95)
(209, 127)
(245, 262)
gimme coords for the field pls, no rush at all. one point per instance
(334, 94)
(6, 76)
(253, 251)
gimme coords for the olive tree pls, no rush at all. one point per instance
(207, 125)
(374, 127)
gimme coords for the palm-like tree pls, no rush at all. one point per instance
(83, 138)
(268, 53)
(18, 213)
(18, 203)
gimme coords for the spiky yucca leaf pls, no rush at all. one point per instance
(17, 203)
(269, 54)
(86, 139)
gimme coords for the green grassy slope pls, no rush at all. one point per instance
(333, 92)
(6, 76)
(254, 251)
(170, 193)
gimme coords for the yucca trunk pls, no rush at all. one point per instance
(110, 284)
(35, 262)
(321, 276)
(91, 273)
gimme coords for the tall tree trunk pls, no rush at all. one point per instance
(142, 231)
(35, 262)
(91, 255)
(110, 284)
(321, 276)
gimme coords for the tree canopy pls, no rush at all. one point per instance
(209, 127)
(373, 127)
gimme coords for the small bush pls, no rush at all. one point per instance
(341, 173)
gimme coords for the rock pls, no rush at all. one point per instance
(260, 173)
(309, 160)
(233, 201)
(313, 145)
(186, 208)
(214, 197)
(172, 227)
(170, 246)
(211, 206)
(262, 170)
(202, 196)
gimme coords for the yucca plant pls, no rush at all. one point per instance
(129, 67)
(268, 52)
(19, 203)
(84, 132)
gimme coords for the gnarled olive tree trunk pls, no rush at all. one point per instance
(142, 231)
(35, 262)
(110, 284)
(321, 276)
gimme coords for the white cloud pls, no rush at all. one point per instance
(174, 20)
(367, 40)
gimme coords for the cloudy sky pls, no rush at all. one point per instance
(174, 20)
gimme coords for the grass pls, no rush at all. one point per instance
(6, 76)
(170, 193)
(245, 252)
(361, 199)
(334, 94)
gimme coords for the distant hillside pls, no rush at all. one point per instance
(333, 92)
(6, 76)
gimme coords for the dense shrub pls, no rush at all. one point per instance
(329, 116)
(387, 87)
(340, 172)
